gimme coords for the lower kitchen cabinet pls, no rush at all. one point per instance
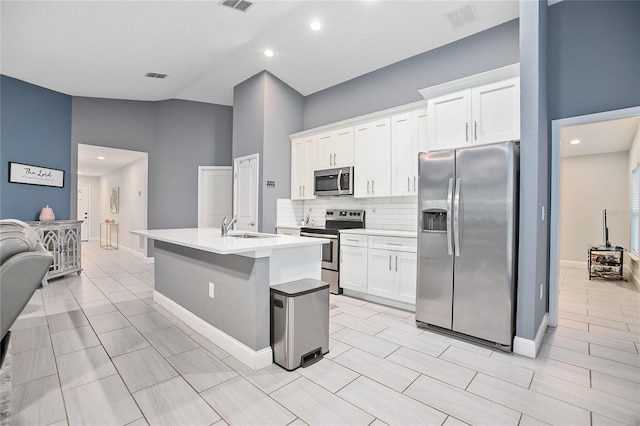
(353, 268)
(392, 274)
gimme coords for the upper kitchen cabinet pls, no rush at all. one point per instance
(480, 109)
(303, 160)
(335, 149)
(408, 138)
(372, 150)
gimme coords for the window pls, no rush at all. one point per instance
(635, 206)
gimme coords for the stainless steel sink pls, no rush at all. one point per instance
(250, 236)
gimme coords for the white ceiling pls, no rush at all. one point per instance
(599, 138)
(114, 159)
(104, 48)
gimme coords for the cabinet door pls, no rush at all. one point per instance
(353, 268)
(298, 164)
(325, 149)
(403, 155)
(496, 112)
(361, 161)
(379, 156)
(405, 277)
(343, 147)
(448, 120)
(381, 273)
(307, 171)
(420, 133)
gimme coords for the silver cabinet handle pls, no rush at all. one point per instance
(373, 188)
(303, 190)
(367, 187)
(330, 163)
(394, 244)
(300, 190)
(414, 184)
(466, 132)
(408, 184)
(449, 211)
(396, 263)
(252, 223)
(389, 262)
(475, 130)
(456, 218)
(334, 158)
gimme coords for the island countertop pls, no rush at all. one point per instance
(209, 239)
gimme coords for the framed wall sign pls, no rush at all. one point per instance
(35, 175)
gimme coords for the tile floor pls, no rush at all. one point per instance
(96, 349)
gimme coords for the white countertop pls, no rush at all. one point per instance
(381, 232)
(209, 239)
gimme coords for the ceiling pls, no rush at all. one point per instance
(599, 138)
(104, 48)
(114, 159)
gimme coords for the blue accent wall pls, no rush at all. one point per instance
(593, 57)
(35, 128)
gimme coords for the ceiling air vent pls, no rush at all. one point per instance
(156, 75)
(462, 16)
(241, 5)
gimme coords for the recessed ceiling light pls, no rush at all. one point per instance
(101, 158)
(268, 53)
(315, 25)
(575, 142)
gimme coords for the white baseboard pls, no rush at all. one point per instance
(530, 348)
(94, 238)
(573, 264)
(253, 359)
(132, 251)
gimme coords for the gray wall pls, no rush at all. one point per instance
(398, 84)
(533, 259)
(593, 57)
(179, 136)
(265, 112)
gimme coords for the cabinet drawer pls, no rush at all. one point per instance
(353, 240)
(393, 243)
(288, 231)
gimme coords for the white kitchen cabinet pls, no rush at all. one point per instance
(392, 275)
(448, 118)
(372, 165)
(496, 111)
(335, 149)
(353, 268)
(408, 138)
(477, 115)
(303, 152)
(285, 230)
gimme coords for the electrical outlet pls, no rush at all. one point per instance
(211, 290)
(541, 291)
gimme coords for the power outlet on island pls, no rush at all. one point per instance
(211, 293)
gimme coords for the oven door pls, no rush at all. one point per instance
(329, 251)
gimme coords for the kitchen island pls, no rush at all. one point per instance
(219, 286)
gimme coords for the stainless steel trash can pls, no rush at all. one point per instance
(299, 322)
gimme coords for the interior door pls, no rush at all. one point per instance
(245, 192)
(215, 185)
(84, 206)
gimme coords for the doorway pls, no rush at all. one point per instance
(215, 185)
(245, 192)
(84, 207)
(557, 128)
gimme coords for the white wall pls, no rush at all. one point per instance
(94, 208)
(589, 184)
(634, 160)
(132, 214)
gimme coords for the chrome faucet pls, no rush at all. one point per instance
(224, 226)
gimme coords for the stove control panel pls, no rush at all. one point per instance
(350, 215)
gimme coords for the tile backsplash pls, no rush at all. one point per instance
(393, 213)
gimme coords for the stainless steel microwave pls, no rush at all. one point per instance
(337, 181)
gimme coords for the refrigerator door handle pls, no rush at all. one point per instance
(449, 208)
(456, 218)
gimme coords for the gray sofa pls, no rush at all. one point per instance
(23, 264)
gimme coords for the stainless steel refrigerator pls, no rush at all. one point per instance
(467, 241)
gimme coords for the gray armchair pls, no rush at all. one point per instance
(23, 264)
